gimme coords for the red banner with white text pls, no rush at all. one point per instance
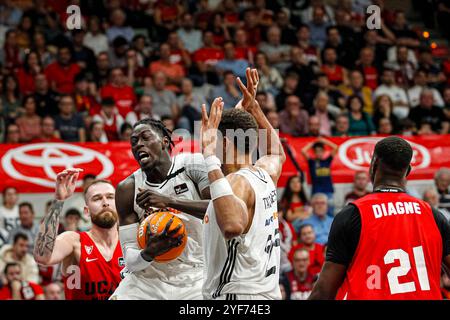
(32, 168)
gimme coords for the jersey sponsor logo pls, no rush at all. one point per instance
(97, 289)
(34, 163)
(90, 260)
(356, 154)
(89, 249)
(270, 200)
(270, 220)
(181, 188)
(395, 208)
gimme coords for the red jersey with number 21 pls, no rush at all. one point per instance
(399, 252)
(98, 278)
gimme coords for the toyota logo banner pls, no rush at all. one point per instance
(32, 168)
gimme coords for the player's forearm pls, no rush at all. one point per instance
(274, 146)
(197, 208)
(48, 231)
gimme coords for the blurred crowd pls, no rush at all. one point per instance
(322, 74)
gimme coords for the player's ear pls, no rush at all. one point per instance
(86, 212)
(165, 143)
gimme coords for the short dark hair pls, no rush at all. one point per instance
(159, 126)
(108, 101)
(124, 127)
(235, 119)
(73, 212)
(7, 188)
(89, 176)
(318, 145)
(10, 265)
(394, 152)
(303, 226)
(19, 236)
(27, 204)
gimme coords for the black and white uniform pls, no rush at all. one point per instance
(248, 266)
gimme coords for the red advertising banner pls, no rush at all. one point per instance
(32, 168)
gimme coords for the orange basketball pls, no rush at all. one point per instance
(157, 223)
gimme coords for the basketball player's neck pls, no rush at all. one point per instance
(160, 171)
(239, 162)
(389, 182)
(103, 236)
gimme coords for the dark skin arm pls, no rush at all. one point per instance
(330, 280)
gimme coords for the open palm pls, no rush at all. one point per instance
(209, 126)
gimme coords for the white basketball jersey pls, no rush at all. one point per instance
(179, 183)
(248, 264)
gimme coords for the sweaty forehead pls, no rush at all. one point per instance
(100, 188)
(144, 128)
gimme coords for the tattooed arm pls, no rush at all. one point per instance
(51, 248)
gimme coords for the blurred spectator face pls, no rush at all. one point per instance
(320, 205)
(321, 102)
(446, 96)
(402, 54)
(26, 216)
(14, 273)
(208, 39)
(228, 79)
(400, 20)
(159, 81)
(330, 56)
(72, 222)
(356, 80)
(303, 34)
(53, 292)
(282, 18)
(11, 39)
(96, 133)
(388, 77)
(355, 105)
(66, 105)
(145, 104)
(432, 197)
(117, 77)
(371, 37)
(334, 37)
(314, 125)
(426, 58)
(250, 19)
(108, 109)
(318, 15)
(118, 18)
(30, 106)
(323, 82)
(33, 61)
(361, 181)
(295, 185)
(273, 119)
(385, 126)
(426, 99)
(297, 55)
(139, 43)
(229, 51)
(186, 86)
(301, 261)
(260, 60)
(173, 40)
(293, 106)
(13, 134)
(445, 281)
(307, 235)
(48, 126)
(263, 101)
(442, 180)
(367, 56)
(126, 135)
(342, 124)
(39, 40)
(384, 104)
(240, 38)
(10, 197)
(64, 56)
(103, 61)
(165, 52)
(41, 83)
(78, 38)
(94, 25)
(20, 248)
(274, 36)
(319, 151)
(81, 86)
(11, 84)
(291, 82)
(420, 78)
(169, 124)
(187, 22)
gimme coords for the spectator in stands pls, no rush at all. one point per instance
(164, 101)
(325, 112)
(82, 55)
(360, 121)
(243, 49)
(360, 183)
(442, 183)
(134, 72)
(190, 103)
(10, 99)
(404, 35)
(12, 133)
(9, 213)
(293, 119)
(117, 53)
(337, 74)
(143, 110)
(174, 72)
(53, 291)
(72, 220)
(431, 196)
(278, 54)
(294, 202)
(11, 14)
(29, 123)
(252, 27)
(319, 165)
(303, 68)
(69, 124)
(356, 87)
(427, 111)
(48, 131)
(18, 253)
(270, 79)
(97, 132)
(304, 42)
(26, 225)
(207, 56)
(85, 96)
(125, 132)
(10, 55)
(307, 240)
(427, 62)
(385, 126)
(366, 66)
(397, 94)
(101, 72)
(299, 282)
(61, 73)
(342, 45)
(26, 74)
(314, 126)
(111, 120)
(404, 68)
(318, 27)
(420, 83)
(342, 126)
(383, 108)
(46, 98)
(18, 288)
(95, 39)
(274, 119)
(118, 27)
(40, 46)
(231, 62)
(228, 91)
(191, 37)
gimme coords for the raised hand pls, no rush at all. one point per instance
(163, 242)
(66, 182)
(209, 127)
(249, 92)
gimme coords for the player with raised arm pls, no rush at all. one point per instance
(386, 245)
(163, 181)
(241, 236)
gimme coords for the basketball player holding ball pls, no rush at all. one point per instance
(241, 236)
(178, 182)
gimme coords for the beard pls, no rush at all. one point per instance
(106, 219)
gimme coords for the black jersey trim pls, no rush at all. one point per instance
(227, 271)
(260, 175)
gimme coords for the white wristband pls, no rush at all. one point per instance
(212, 163)
(220, 188)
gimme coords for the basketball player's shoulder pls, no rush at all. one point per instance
(188, 159)
(127, 183)
(71, 237)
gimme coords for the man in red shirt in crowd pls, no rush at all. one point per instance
(112, 121)
(207, 56)
(117, 88)
(18, 289)
(84, 98)
(316, 251)
(48, 131)
(299, 282)
(361, 180)
(61, 73)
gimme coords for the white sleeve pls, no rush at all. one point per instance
(196, 169)
(130, 249)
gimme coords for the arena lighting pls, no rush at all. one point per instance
(426, 34)
(433, 45)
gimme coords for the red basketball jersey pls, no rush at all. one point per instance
(98, 277)
(399, 252)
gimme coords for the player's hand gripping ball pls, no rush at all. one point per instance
(155, 225)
